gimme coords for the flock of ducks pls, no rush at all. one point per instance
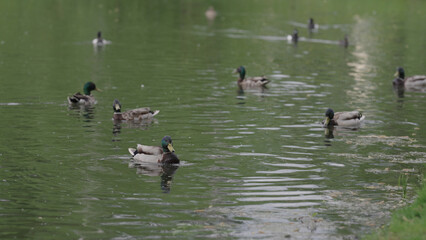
(164, 154)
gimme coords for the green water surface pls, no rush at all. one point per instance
(254, 164)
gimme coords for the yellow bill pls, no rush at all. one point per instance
(170, 147)
(327, 121)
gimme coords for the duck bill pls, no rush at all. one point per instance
(117, 107)
(170, 147)
(396, 74)
(235, 71)
(327, 121)
(97, 89)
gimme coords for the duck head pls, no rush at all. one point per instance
(116, 106)
(167, 144)
(329, 115)
(88, 87)
(242, 71)
(400, 73)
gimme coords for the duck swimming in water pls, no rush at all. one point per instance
(99, 41)
(343, 119)
(137, 114)
(85, 98)
(163, 154)
(413, 83)
(251, 82)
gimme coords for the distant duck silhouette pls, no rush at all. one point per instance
(251, 82)
(344, 42)
(293, 37)
(85, 98)
(211, 13)
(311, 25)
(343, 119)
(138, 114)
(99, 41)
(413, 83)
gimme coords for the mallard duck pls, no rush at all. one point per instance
(211, 13)
(137, 114)
(417, 82)
(311, 25)
(153, 154)
(344, 119)
(99, 41)
(293, 37)
(344, 42)
(250, 82)
(85, 98)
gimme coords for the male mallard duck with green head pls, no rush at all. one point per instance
(138, 114)
(343, 119)
(85, 98)
(251, 82)
(153, 154)
(415, 83)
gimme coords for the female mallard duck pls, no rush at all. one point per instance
(153, 154)
(343, 119)
(250, 82)
(414, 83)
(137, 114)
(85, 98)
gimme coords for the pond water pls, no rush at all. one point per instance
(255, 164)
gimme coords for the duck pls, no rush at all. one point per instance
(343, 119)
(163, 154)
(211, 13)
(344, 42)
(244, 82)
(414, 83)
(312, 25)
(85, 98)
(293, 37)
(137, 114)
(99, 41)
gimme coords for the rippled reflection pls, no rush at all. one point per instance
(165, 171)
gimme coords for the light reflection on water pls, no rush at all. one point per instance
(257, 163)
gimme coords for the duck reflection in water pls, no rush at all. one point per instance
(165, 171)
(87, 111)
(328, 132)
(120, 124)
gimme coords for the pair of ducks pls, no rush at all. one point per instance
(344, 119)
(137, 114)
(143, 153)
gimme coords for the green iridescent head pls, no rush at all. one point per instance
(88, 87)
(329, 115)
(400, 73)
(167, 144)
(242, 71)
